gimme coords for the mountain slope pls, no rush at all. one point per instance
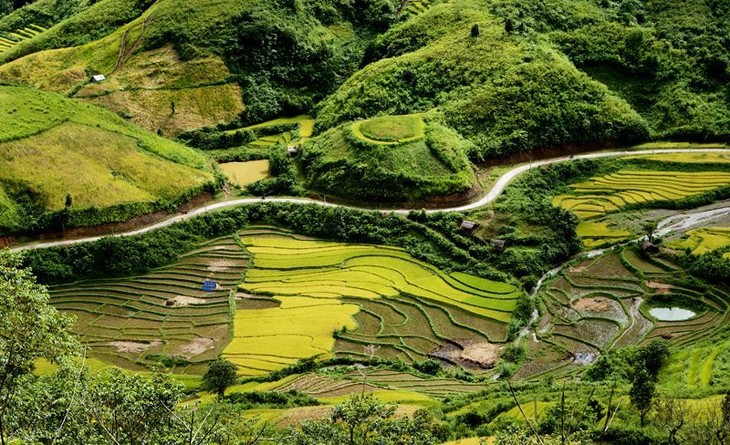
(63, 162)
(278, 57)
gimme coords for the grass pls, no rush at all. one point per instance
(129, 323)
(142, 85)
(390, 129)
(245, 173)
(703, 240)
(32, 112)
(265, 340)
(88, 153)
(430, 160)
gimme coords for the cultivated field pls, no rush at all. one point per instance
(282, 131)
(9, 40)
(162, 318)
(594, 199)
(605, 302)
(703, 240)
(245, 173)
(330, 297)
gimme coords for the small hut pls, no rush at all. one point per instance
(98, 77)
(209, 286)
(648, 247)
(468, 226)
(293, 150)
(498, 244)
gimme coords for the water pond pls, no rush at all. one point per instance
(671, 313)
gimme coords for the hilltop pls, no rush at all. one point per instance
(66, 163)
(504, 76)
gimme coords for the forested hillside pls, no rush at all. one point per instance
(510, 75)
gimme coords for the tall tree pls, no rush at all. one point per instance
(29, 329)
(642, 393)
(221, 374)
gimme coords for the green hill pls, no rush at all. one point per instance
(508, 76)
(63, 162)
(206, 58)
(390, 158)
(511, 75)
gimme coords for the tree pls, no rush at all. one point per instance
(509, 26)
(475, 30)
(129, 408)
(362, 420)
(69, 201)
(642, 393)
(652, 357)
(29, 329)
(221, 374)
(672, 414)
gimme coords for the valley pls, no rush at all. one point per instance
(320, 222)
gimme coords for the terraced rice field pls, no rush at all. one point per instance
(245, 173)
(265, 340)
(412, 329)
(693, 158)
(135, 322)
(287, 266)
(601, 304)
(9, 40)
(599, 196)
(704, 240)
(332, 297)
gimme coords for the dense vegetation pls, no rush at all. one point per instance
(364, 161)
(450, 324)
(509, 75)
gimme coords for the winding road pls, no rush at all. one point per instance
(487, 198)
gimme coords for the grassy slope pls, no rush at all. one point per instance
(144, 86)
(507, 92)
(282, 56)
(366, 160)
(63, 138)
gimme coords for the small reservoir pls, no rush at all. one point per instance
(671, 313)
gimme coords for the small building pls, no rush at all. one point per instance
(648, 247)
(468, 226)
(210, 286)
(293, 150)
(98, 77)
(498, 244)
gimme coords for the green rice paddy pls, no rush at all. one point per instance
(594, 199)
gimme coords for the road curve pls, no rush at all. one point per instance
(490, 196)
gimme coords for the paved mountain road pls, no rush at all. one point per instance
(490, 196)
